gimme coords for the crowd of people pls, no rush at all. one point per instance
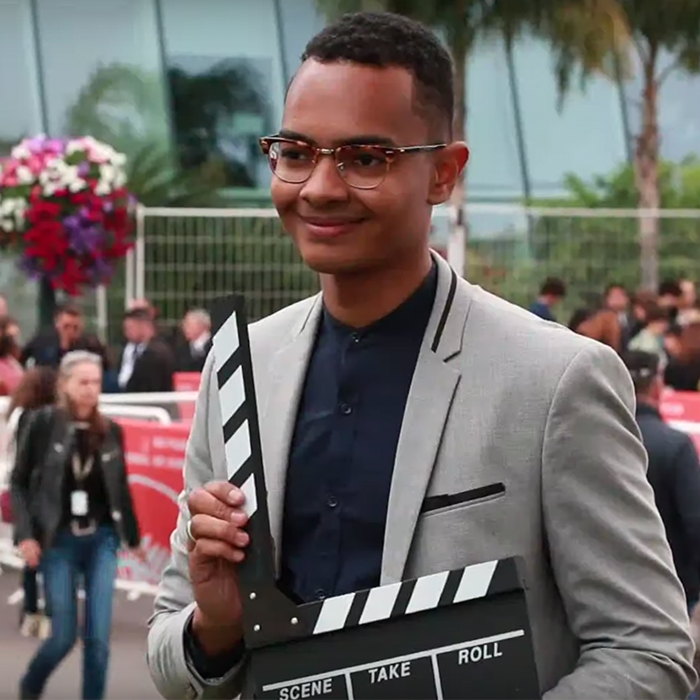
(665, 324)
(144, 361)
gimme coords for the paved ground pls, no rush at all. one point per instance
(128, 677)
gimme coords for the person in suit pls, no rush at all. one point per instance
(48, 346)
(401, 386)
(674, 471)
(192, 351)
(146, 363)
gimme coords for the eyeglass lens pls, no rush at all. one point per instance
(363, 167)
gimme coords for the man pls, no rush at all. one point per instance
(688, 310)
(47, 347)
(617, 300)
(674, 472)
(401, 382)
(670, 297)
(196, 329)
(651, 338)
(552, 291)
(689, 293)
(146, 363)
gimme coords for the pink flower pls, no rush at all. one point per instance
(35, 164)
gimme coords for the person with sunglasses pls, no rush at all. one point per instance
(413, 423)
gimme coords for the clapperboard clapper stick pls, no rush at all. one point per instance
(453, 634)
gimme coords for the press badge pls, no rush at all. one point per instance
(78, 503)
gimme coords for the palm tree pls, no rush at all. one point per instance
(125, 107)
(204, 105)
(660, 38)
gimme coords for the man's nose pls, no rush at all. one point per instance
(325, 185)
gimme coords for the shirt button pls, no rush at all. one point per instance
(356, 337)
(346, 409)
(332, 502)
(320, 594)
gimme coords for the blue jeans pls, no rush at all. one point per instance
(94, 558)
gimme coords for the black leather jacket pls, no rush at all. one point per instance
(36, 484)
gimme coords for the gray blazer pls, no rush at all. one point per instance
(504, 398)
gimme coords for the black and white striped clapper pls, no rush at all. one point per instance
(453, 634)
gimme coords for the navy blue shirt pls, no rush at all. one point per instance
(343, 449)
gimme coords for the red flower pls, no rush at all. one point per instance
(79, 198)
(43, 211)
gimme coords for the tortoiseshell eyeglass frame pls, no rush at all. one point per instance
(390, 153)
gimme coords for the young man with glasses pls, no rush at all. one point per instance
(401, 387)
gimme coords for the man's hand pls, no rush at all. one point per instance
(216, 546)
(31, 552)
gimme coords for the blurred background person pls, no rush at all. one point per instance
(72, 509)
(674, 472)
(683, 370)
(552, 292)
(4, 310)
(147, 363)
(689, 296)
(11, 370)
(639, 304)
(617, 300)
(37, 388)
(651, 338)
(603, 326)
(92, 343)
(670, 297)
(192, 351)
(48, 346)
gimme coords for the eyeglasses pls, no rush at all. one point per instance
(362, 167)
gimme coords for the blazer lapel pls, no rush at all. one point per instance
(278, 415)
(427, 409)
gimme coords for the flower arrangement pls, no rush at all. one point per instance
(65, 204)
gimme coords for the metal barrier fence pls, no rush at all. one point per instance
(189, 257)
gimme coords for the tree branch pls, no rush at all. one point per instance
(667, 71)
(643, 55)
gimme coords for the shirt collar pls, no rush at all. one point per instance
(408, 319)
(646, 409)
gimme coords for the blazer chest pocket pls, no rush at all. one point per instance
(452, 501)
(458, 529)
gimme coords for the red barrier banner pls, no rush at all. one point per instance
(186, 381)
(681, 410)
(155, 455)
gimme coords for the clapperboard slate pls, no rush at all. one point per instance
(457, 634)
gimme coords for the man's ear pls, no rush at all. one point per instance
(449, 164)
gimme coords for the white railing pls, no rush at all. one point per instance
(121, 400)
(156, 413)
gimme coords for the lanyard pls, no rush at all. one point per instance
(81, 470)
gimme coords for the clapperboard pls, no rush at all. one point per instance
(454, 634)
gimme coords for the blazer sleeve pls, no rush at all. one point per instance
(607, 543)
(171, 666)
(31, 441)
(130, 523)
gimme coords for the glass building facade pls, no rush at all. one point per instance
(207, 77)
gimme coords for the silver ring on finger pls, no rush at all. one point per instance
(188, 529)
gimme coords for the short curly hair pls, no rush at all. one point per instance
(384, 39)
